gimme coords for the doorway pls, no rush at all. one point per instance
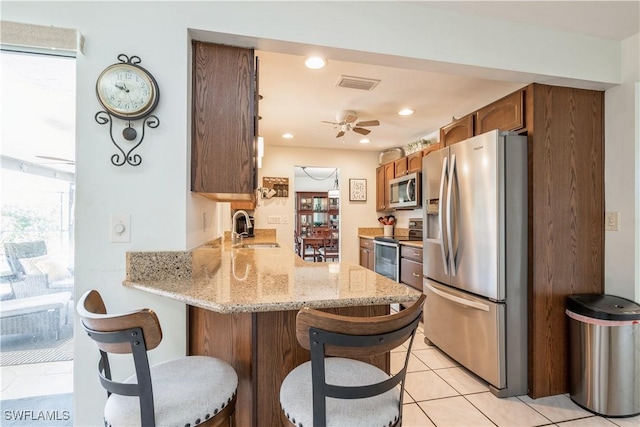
(317, 213)
(37, 233)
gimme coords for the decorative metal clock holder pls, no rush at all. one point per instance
(127, 92)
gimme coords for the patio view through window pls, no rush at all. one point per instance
(37, 234)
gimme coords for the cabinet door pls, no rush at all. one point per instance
(223, 131)
(411, 273)
(414, 162)
(400, 167)
(504, 114)
(457, 131)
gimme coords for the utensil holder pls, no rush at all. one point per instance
(388, 230)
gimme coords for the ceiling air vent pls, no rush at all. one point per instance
(352, 82)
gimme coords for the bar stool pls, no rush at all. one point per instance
(362, 394)
(189, 391)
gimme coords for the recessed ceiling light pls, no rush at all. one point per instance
(364, 141)
(405, 112)
(315, 62)
(287, 135)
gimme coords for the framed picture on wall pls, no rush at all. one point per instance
(357, 190)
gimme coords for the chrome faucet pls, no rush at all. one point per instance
(235, 237)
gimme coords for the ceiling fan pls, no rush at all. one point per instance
(346, 121)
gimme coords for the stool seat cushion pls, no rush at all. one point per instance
(186, 391)
(297, 402)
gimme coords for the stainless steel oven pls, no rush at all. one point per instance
(387, 257)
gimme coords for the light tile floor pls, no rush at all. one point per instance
(439, 392)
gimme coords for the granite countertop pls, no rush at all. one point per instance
(224, 279)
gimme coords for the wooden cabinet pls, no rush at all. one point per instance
(414, 162)
(565, 131)
(384, 174)
(367, 259)
(504, 114)
(316, 210)
(247, 205)
(411, 266)
(457, 131)
(400, 167)
(223, 128)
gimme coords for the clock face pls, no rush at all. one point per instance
(127, 91)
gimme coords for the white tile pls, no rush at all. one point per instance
(415, 364)
(454, 412)
(435, 359)
(626, 422)
(425, 385)
(557, 408)
(507, 412)
(413, 416)
(588, 422)
(463, 381)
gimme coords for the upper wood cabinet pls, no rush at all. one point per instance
(457, 131)
(504, 114)
(414, 162)
(400, 167)
(223, 129)
(384, 174)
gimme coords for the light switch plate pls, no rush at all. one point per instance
(120, 228)
(611, 221)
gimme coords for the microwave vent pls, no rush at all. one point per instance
(361, 83)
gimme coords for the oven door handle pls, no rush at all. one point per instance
(377, 242)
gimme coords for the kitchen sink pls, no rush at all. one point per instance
(259, 245)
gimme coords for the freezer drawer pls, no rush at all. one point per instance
(467, 328)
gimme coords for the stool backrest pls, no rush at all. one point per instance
(130, 333)
(94, 317)
(325, 334)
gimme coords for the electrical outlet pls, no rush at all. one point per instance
(611, 221)
(273, 219)
(120, 228)
(285, 219)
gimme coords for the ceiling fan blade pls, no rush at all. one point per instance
(57, 159)
(331, 123)
(368, 123)
(362, 131)
(350, 118)
(340, 134)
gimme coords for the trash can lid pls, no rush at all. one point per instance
(606, 307)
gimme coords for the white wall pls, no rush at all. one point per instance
(622, 164)
(280, 161)
(165, 216)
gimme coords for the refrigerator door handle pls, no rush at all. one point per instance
(458, 300)
(450, 226)
(444, 250)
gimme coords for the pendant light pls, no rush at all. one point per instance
(334, 193)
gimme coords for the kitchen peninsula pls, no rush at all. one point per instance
(242, 305)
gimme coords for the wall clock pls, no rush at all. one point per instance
(129, 92)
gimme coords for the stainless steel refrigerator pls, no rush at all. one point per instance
(475, 257)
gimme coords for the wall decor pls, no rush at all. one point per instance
(279, 185)
(127, 92)
(357, 190)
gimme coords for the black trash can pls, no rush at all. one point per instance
(605, 354)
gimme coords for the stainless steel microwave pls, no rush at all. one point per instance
(404, 191)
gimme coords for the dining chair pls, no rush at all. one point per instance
(188, 391)
(335, 389)
(329, 250)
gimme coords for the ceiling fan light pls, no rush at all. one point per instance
(405, 112)
(315, 62)
(364, 141)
